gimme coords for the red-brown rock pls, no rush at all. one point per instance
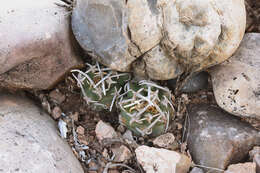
(37, 47)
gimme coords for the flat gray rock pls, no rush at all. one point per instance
(30, 141)
(236, 83)
(217, 139)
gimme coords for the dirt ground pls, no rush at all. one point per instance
(78, 115)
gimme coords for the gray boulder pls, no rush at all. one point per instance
(217, 139)
(30, 141)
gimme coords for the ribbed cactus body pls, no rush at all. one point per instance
(146, 108)
(101, 86)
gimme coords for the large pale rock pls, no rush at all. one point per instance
(37, 46)
(166, 37)
(155, 160)
(236, 83)
(216, 138)
(30, 141)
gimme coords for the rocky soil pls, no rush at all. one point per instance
(47, 126)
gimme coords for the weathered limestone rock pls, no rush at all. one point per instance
(242, 168)
(217, 138)
(30, 141)
(37, 47)
(155, 160)
(236, 83)
(166, 37)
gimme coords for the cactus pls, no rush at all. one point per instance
(100, 86)
(145, 108)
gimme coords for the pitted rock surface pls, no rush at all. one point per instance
(217, 138)
(167, 36)
(236, 83)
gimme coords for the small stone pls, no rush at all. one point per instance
(128, 135)
(121, 128)
(248, 167)
(164, 141)
(29, 139)
(196, 170)
(80, 130)
(75, 116)
(57, 97)
(212, 128)
(56, 112)
(104, 130)
(122, 153)
(154, 160)
(93, 167)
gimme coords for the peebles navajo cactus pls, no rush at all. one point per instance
(100, 86)
(145, 108)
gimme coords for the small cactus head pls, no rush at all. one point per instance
(101, 86)
(146, 108)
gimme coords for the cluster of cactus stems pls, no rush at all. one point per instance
(145, 107)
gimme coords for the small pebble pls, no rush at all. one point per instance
(56, 112)
(122, 153)
(104, 130)
(164, 141)
(80, 130)
(57, 97)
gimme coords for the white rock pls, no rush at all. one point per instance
(30, 141)
(104, 130)
(155, 160)
(236, 83)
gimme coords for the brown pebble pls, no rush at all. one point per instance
(56, 112)
(80, 130)
(57, 97)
